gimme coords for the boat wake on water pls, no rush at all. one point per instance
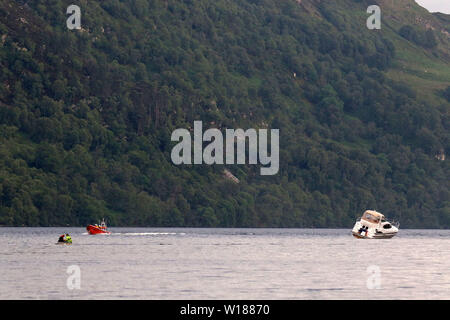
(147, 233)
(140, 233)
(101, 229)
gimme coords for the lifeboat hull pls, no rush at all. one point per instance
(96, 230)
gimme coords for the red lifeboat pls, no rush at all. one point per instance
(97, 229)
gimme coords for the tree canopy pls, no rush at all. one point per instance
(86, 115)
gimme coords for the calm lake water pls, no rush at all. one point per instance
(156, 263)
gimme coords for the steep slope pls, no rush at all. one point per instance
(86, 115)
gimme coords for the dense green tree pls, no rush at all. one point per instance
(86, 115)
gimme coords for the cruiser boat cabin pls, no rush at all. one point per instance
(373, 225)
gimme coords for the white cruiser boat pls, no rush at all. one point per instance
(373, 225)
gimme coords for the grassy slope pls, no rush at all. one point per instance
(427, 71)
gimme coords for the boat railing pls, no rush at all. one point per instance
(395, 223)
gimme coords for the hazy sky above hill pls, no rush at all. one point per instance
(435, 5)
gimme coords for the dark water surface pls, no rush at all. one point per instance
(184, 263)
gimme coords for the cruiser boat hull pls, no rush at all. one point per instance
(375, 236)
(96, 230)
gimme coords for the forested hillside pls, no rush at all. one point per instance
(86, 115)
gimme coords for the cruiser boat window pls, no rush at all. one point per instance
(371, 218)
(387, 226)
